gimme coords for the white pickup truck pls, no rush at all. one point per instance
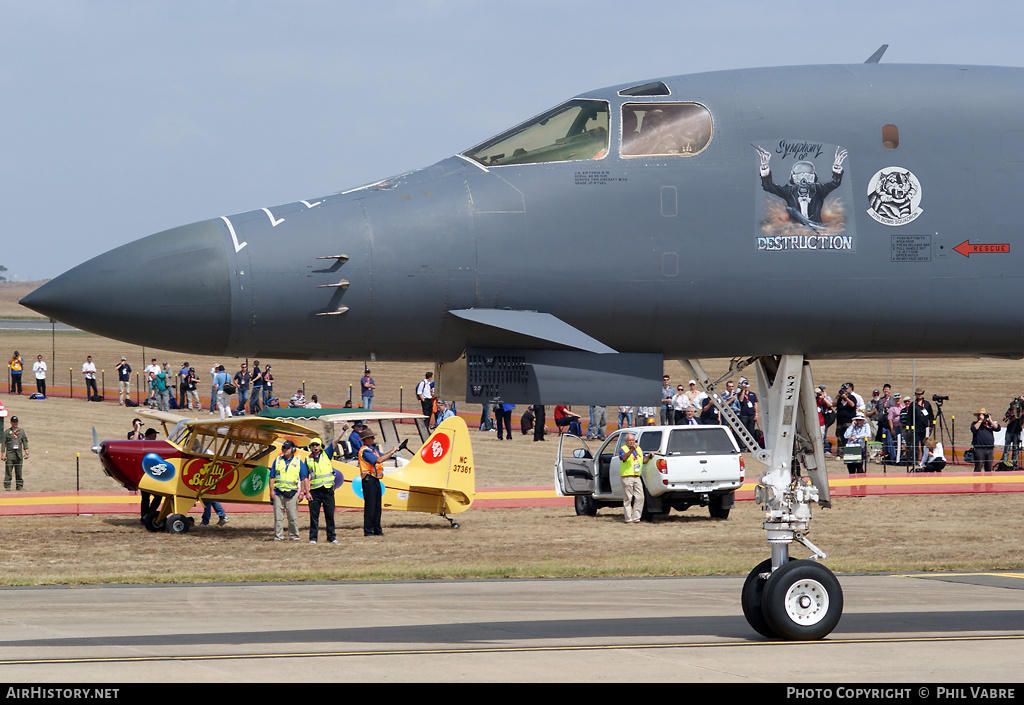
(690, 465)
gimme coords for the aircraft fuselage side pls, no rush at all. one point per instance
(688, 255)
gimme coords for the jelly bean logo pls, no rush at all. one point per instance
(253, 484)
(435, 448)
(157, 468)
(208, 477)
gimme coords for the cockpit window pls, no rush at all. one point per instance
(573, 131)
(664, 129)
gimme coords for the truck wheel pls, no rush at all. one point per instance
(715, 507)
(802, 601)
(585, 506)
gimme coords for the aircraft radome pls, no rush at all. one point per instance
(752, 214)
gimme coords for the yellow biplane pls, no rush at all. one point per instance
(229, 461)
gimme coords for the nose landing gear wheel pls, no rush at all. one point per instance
(752, 596)
(801, 601)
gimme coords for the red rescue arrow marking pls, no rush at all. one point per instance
(967, 249)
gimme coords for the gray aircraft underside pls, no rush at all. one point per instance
(685, 253)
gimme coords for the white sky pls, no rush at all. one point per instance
(121, 119)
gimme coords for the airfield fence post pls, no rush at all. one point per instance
(136, 388)
(350, 392)
(103, 383)
(71, 383)
(400, 389)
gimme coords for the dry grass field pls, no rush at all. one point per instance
(898, 533)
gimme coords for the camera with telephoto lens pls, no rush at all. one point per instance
(939, 398)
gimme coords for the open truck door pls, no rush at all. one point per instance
(574, 470)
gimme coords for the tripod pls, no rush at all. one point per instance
(943, 428)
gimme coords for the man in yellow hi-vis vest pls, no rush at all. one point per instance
(632, 463)
(287, 486)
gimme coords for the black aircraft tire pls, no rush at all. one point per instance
(751, 597)
(177, 524)
(150, 522)
(802, 601)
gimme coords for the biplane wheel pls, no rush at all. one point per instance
(455, 524)
(150, 522)
(802, 601)
(751, 597)
(178, 524)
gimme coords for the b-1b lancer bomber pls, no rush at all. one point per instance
(689, 217)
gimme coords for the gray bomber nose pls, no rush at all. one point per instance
(170, 290)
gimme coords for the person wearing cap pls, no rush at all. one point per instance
(163, 387)
(14, 453)
(371, 471)
(366, 387)
(124, 380)
(151, 371)
(983, 440)
(693, 394)
(223, 399)
(922, 421)
(882, 401)
(444, 412)
(89, 370)
(857, 434)
(355, 441)
(895, 431)
(298, 400)
(846, 411)
(1014, 418)
(288, 475)
(750, 408)
(17, 367)
(319, 485)
(191, 383)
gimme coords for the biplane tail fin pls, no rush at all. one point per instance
(445, 464)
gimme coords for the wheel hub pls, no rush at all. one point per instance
(806, 602)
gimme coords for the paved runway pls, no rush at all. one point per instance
(932, 629)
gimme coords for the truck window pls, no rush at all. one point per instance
(650, 441)
(698, 441)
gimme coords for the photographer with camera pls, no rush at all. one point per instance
(983, 440)
(846, 410)
(1014, 418)
(922, 420)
